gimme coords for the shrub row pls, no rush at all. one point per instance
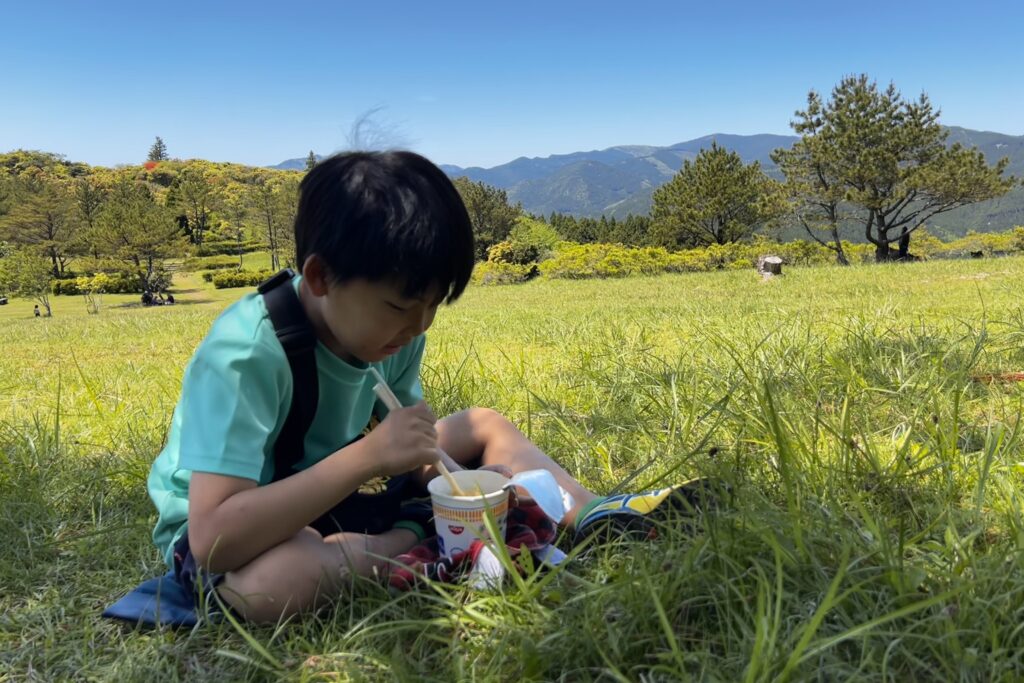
(228, 247)
(508, 262)
(239, 278)
(101, 283)
(209, 263)
(973, 243)
(502, 273)
(576, 261)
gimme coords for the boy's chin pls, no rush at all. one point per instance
(376, 355)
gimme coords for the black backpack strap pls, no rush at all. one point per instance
(298, 338)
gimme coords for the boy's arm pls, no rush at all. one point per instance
(405, 383)
(232, 520)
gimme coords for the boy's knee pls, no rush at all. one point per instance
(488, 420)
(289, 578)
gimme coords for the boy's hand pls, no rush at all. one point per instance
(405, 440)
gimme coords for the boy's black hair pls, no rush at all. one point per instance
(377, 215)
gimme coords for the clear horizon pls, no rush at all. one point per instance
(471, 85)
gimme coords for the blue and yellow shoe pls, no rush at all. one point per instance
(637, 515)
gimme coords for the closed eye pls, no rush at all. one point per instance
(397, 307)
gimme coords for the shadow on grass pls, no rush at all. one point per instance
(177, 302)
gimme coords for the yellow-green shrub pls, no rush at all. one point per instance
(240, 278)
(501, 273)
(209, 263)
(106, 283)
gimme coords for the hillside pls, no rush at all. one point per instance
(620, 180)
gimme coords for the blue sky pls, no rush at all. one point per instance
(475, 83)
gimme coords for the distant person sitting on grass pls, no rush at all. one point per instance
(36, 309)
(383, 239)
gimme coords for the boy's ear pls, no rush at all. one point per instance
(314, 272)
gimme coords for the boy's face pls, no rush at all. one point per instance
(370, 320)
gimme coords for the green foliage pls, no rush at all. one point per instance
(209, 263)
(240, 278)
(516, 253)
(193, 195)
(139, 233)
(42, 215)
(274, 198)
(575, 261)
(581, 261)
(877, 162)
(26, 273)
(26, 164)
(530, 232)
(158, 151)
(225, 247)
(489, 212)
(503, 272)
(529, 242)
(984, 244)
(103, 283)
(1018, 238)
(632, 231)
(714, 199)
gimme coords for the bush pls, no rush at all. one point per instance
(229, 247)
(209, 263)
(240, 278)
(1017, 242)
(985, 243)
(501, 273)
(513, 253)
(528, 232)
(102, 283)
(576, 261)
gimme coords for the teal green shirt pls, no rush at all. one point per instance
(235, 396)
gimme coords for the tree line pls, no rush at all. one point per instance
(869, 163)
(131, 220)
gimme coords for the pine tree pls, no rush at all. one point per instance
(158, 152)
(310, 161)
(714, 199)
(869, 158)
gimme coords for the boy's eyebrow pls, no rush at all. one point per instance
(422, 298)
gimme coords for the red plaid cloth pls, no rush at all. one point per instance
(527, 526)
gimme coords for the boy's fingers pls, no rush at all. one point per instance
(424, 410)
(503, 470)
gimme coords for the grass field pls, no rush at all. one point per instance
(874, 529)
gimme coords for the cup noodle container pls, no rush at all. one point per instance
(460, 519)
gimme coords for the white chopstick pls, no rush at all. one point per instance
(389, 399)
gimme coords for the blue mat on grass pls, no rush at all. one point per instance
(160, 601)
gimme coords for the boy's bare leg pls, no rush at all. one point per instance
(486, 434)
(306, 571)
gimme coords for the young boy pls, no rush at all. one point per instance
(382, 239)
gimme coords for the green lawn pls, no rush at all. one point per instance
(874, 528)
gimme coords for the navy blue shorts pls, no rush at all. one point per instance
(196, 582)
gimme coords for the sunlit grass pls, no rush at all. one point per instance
(873, 530)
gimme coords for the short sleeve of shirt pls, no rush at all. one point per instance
(235, 397)
(404, 373)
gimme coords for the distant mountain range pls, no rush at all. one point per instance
(620, 180)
